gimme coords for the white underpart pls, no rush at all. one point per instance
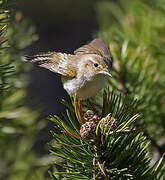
(90, 88)
(83, 88)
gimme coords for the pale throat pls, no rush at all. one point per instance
(90, 88)
(82, 88)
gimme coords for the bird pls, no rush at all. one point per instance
(83, 73)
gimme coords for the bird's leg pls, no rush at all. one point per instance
(79, 111)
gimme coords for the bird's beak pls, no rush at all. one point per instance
(107, 73)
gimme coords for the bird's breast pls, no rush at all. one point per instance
(90, 88)
(83, 88)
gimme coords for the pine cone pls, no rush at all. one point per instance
(88, 130)
(109, 122)
(91, 116)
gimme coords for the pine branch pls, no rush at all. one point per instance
(18, 123)
(110, 148)
(124, 90)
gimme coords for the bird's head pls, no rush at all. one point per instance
(95, 58)
(91, 65)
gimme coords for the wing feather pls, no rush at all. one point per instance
(97, 46)
(61, 63)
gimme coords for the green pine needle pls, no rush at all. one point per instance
(121, 151)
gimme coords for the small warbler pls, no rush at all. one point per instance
(83, 73)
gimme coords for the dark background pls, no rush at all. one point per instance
(63, 26)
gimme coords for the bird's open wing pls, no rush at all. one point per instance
(55, 62)
(97, 46)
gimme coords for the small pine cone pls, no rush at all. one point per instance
(88, 115)
(91, 116)
(88, 130)
(111, 122)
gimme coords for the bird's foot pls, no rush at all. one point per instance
(79, 111)
(90, 115)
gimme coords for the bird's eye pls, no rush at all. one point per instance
(96, 64)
